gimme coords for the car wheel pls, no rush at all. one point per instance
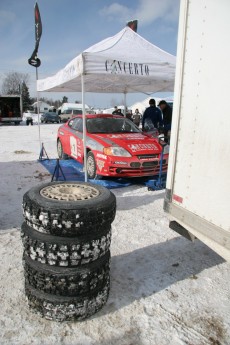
(91, 165)
(61, 153)
(69, 209)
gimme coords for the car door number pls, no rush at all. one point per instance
(73, 147)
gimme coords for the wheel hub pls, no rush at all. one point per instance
(69, 192)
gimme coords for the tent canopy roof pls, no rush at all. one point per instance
(123, 63)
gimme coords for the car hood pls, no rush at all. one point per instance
(135, 143)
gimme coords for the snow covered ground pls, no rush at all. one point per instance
(164, 289)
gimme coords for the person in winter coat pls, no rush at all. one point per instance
(153, 114)
(167, 119)
(116, 111)
(137, 117)
(167, 114)
(129, 115)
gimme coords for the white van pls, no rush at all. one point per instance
(69, 110)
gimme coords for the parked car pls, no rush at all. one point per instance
(115, 146)
(50, 117)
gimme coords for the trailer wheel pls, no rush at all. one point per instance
(65, 251)
(69, 209)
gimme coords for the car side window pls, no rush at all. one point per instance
(71, 123)
(77, 112)
(77, 125)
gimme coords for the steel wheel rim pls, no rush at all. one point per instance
(69, 192)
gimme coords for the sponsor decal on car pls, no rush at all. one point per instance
(73, 146)
(121, 163)
(134, 136)
(100, 164)
(142, 147)
(100, 155)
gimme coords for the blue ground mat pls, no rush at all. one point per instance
(73, 171)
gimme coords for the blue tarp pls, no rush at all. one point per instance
(73, 171)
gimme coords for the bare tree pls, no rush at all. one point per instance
(12, 83)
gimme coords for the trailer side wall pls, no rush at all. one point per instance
(198, 182)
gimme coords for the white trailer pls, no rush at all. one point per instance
(198, 181)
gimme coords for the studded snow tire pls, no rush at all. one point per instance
(65, 251)
(64, 281)
(69, 209)
(60, 308)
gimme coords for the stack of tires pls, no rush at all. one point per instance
(66, 239)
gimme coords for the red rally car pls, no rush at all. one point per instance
(115, 147)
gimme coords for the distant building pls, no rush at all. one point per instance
(43, 107)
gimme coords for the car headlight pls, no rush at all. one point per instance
(116, 151)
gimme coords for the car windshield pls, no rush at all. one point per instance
(111, 125)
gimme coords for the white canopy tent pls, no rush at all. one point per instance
(123, 63)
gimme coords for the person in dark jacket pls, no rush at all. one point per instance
(116, 111)
(153, 114)
(167, 119)
(167, 114)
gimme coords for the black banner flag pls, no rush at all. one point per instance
(34, 60)
(133, 25)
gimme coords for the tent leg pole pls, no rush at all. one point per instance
(38, 111)
(125, 104)
(84, 124)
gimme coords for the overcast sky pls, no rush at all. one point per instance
(71, 26)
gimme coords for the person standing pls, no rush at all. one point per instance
(152, 114)
(116, 111)
(137, 117)
(167, 119)
(129, 115)
(167, 114)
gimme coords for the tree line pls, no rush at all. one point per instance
(15, 83)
